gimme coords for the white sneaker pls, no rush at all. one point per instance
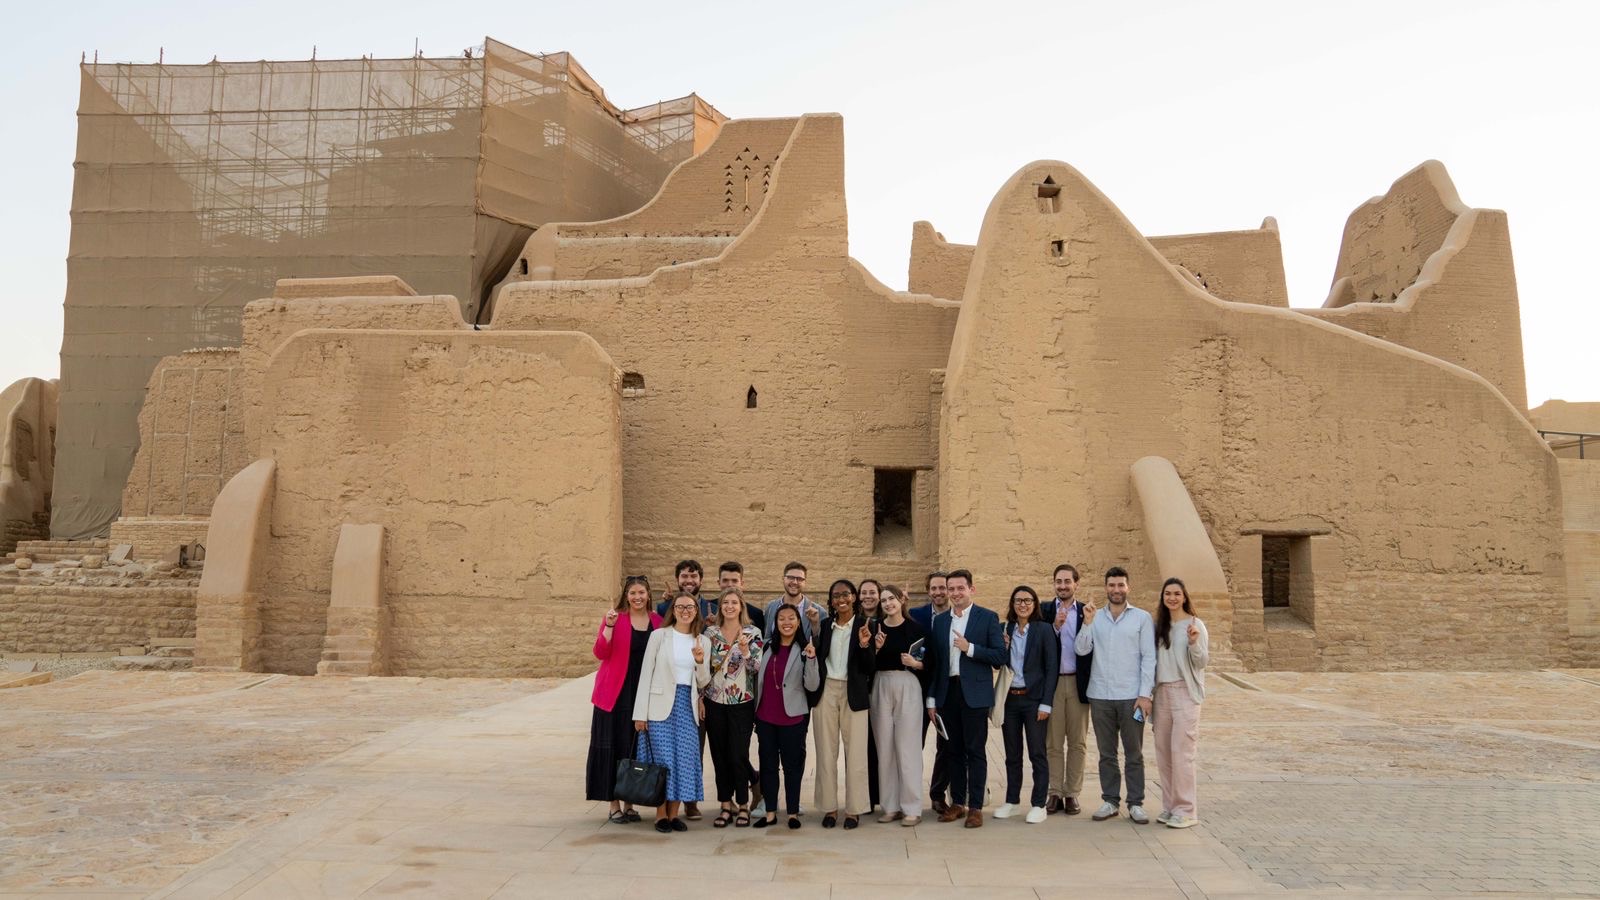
(1106, 811)
(1165, 817)
(1137, 814)
(1036, 815)
(1178, 821)
(1006, 811)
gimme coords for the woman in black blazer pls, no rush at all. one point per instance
(847, 660)
(1033, 652)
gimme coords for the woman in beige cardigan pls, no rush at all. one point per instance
(1182, 650)
(666, 709)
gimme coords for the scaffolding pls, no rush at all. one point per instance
(198, 186)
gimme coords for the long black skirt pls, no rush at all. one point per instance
(611, 738)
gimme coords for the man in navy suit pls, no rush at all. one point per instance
(964, 649)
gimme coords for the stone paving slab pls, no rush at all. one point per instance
(144, 784)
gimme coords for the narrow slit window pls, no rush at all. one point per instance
(522, 265)
(1049, 195)
(750, 398)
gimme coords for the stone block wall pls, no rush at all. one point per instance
(70, 618)
(151, 537)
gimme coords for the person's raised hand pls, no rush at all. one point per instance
(699, 653)
(1194, 634)
(611, 618)
(878, 641)
(962, 643)
(811, 650)
(1088, 613)
(1061, 613)
(863, 635)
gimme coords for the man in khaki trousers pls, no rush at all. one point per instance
(1069, 726)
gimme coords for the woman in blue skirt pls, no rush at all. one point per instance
(666, 710)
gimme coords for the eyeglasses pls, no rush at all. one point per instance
(687, 609)
(794, 578)
(1022, 600)
(839, 595)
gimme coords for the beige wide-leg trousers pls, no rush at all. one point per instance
(832, 721)
(898, 712)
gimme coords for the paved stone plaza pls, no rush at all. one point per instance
(264, 786)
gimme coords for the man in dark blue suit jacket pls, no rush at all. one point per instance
(964, 649)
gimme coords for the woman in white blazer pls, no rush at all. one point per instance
(666, 710)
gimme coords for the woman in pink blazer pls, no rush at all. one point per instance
(619, 645)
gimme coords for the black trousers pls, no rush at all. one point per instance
(969, 730)
(1022, 719)
(785, 745)
(728, 730)
(939, 784)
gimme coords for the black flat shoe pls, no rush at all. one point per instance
(679, 825)
(767, 822)
(794, 822)
(663, 826)
(851, 822)
(829, 820)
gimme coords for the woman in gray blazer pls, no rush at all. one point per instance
(788, 671)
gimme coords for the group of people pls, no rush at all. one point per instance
(869, 674)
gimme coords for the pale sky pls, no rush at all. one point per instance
(1189, 116)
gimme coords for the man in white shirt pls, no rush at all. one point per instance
(965, 647)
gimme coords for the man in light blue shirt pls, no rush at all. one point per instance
(1122, 681)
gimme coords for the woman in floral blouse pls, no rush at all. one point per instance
(730, 705)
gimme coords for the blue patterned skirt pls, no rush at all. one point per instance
(675, 743)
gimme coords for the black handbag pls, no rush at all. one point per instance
(641, 783)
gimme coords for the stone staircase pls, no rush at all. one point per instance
(55, 551)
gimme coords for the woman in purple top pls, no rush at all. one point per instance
(782, 711)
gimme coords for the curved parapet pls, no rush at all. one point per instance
(27, 460)
(785, 328)
(1173, 527)
(1182, 547)
(1422, 269)
(704, 204)
(354, 641)
(227, 611)
(1079, 350)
